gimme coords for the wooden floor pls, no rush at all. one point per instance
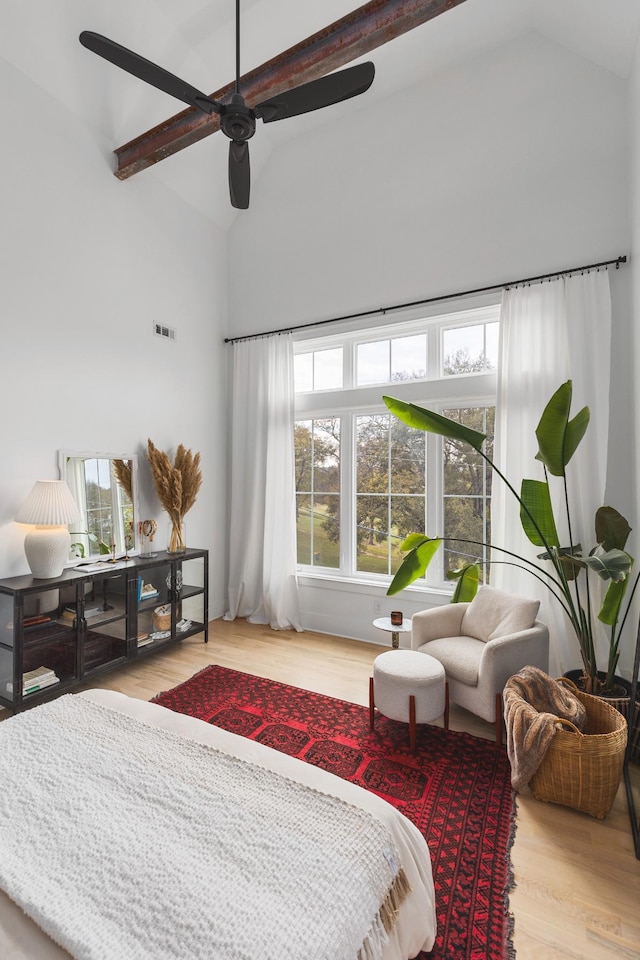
(577, 894)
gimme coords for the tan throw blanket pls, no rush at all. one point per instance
(533, 702)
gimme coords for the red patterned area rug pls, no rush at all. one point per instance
(455, 788)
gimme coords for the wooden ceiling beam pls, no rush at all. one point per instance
(353, 36)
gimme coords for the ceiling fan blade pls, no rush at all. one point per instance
(148, 71)
(318, 93)
(239, 174)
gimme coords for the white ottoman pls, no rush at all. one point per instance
(410, 687)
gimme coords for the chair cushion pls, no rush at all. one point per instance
(493, 613)
(460, 657)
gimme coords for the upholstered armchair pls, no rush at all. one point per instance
(480, 645)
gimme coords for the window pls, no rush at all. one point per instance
(365, 480)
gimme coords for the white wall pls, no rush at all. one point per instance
(512, 166)
(87, 264)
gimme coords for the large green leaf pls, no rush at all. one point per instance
(431, 422)
(559, 437)
(536, 513)
(610, 609)
(609, 564)
(415, 563)
(468, 577)
(612, 530)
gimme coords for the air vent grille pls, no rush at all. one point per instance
(167, 333)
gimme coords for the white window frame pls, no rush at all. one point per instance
(436, 391)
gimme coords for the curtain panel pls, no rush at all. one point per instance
(549, 333)
(262, 551)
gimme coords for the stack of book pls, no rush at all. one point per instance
(69, 613)
(144, 639)
(38, 679)
(146, 590)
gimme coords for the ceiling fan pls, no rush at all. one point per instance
(237, 119)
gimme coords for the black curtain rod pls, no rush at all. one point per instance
(447, 296)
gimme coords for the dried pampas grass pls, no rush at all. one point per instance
(122, 470)
(176, 485)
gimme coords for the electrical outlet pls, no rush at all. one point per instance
(377, 607)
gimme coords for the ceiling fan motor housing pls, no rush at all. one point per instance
(237, 120)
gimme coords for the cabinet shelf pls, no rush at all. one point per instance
(104, 616)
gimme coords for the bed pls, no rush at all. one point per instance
(129, 831)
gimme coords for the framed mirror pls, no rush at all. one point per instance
(105, 488)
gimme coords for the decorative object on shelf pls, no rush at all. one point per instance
(162, 617)
(178, 588)
(177, 487)
(50, 507)
(396, 618)
(147, 531)
(146, 591)
(176, 537)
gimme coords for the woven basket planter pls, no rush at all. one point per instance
(583, 770)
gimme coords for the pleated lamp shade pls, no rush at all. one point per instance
(50, 507)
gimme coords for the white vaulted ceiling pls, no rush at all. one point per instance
(195, 40)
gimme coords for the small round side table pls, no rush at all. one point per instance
(384, 623)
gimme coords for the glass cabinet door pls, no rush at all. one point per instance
(154, 606)
(190, 596)
(103, 612)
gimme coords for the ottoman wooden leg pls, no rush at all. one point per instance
(446, 705)
(412, 723)
(371, 704)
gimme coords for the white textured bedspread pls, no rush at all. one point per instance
(122, 839)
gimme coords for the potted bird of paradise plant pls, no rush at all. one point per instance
(566, 571)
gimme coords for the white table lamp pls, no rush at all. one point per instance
(50, 506)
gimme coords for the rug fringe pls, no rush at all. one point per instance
(509, 948)
(178, 685)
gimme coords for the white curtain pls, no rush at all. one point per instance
(549, 333)
(262, 573)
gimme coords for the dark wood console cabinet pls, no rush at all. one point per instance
(56, 634)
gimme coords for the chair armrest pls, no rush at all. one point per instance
(436, 622)
(505, 656)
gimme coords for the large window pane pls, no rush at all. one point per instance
(408, 515)
(390, 459)
(317, 459)
(407, 458)
(303, 527)
(467, 491)
(372, 518)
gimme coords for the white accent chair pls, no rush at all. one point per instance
(481, 644)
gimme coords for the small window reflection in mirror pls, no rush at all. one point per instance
(104, 488)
